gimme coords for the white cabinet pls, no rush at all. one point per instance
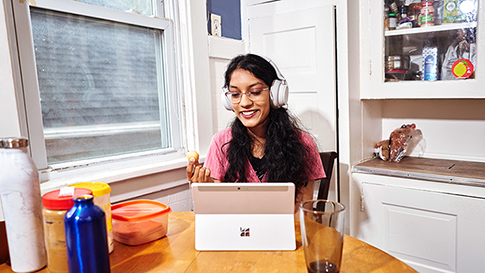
(434, 226)
(449, 112)
(428, 212)
(379, 45)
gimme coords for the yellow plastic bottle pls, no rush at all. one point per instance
(101, 194)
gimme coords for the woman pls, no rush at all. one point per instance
(264, 143)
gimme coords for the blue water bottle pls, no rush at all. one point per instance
(86, 242)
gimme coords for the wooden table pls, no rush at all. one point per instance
(176, 253)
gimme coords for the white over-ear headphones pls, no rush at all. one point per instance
(278, 90)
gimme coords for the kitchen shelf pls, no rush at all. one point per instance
(377, 44)
(443, 27)
(468, 173)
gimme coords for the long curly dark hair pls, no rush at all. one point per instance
(285, 156)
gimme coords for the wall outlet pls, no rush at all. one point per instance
(216, 25)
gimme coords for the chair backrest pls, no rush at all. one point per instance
(328, 159)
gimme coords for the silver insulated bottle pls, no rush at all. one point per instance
(22, 206)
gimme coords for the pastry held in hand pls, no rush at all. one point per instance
(193, 154)
(399, 141)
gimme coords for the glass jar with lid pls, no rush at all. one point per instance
(56, 204)
(392, 21)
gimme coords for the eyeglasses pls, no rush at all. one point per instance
(254, 94)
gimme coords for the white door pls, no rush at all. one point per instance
(430, 231)
(299, 36)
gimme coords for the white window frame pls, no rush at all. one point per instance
(29, 99)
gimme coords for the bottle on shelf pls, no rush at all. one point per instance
(403, 12)
(404, 21)
(438, 6)
(392, 21)
(393, 7)
(412, 10)
(452, 12)
(417, 15)
(426, 19)
(430, 60)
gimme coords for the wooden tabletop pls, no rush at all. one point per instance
(176, 253)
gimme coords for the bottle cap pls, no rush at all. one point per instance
(54, 200)
(98, 188)
(14, 142)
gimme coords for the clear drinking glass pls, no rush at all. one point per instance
(322, 224)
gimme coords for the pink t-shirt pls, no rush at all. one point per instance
(217, 162)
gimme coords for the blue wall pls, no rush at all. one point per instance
(230, 12)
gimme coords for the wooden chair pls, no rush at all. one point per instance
(328, 159)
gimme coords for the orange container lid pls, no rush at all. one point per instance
(52, 200)
(138, 210)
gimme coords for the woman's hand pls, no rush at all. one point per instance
(196, 173)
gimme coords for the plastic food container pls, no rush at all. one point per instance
(140, 221)
(101, 193)
(56, 204)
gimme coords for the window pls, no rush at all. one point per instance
(105, 75)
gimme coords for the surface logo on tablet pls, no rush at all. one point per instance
(244, 232)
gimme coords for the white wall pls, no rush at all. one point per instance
(452, 129)
(9, 124)
(169, 187)
(221, 51)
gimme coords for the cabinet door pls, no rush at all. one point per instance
(430, 231)
(394, 61)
